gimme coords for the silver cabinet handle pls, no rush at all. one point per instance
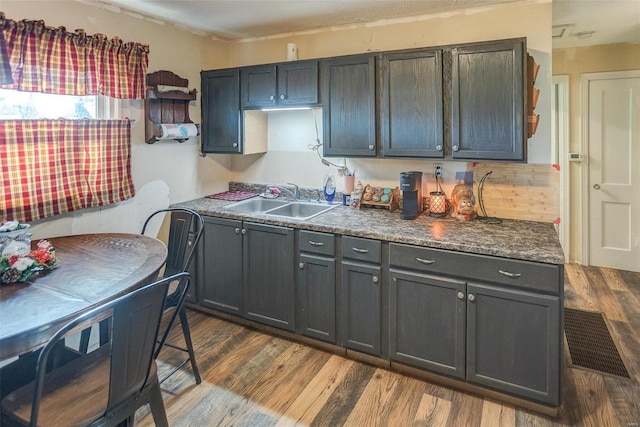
(235, 144)
(371, 147)
(189, 243)
(471, 297)
(301, 265)
(375, 279)
(460, 295)
(312, 243)
(282, 97)
(426, 261)
(237, 230)
(244, 231)
(361, 251)
(508, 274)
(272, 97)
(439, 147)
(596, 186)
(455, 148)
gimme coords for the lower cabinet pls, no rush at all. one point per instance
(495, 324)
(498, 336)
(316, 285)
(427, 322)
(269, 275)
(514, 342)
(362, 295)
(247, 270)
(220, 282)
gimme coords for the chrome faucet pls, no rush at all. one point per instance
(295, 193)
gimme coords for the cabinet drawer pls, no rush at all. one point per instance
(361, 249)
(522, 274)
(317, 243)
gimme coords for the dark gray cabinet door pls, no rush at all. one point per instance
(220, 286)
(412, 104)
(269, 275)
(428, 322)
(316, 305)
(221, 118)
(361, 310)
(298, 83)
(349, 100)
(258, 86)
(488, 100)
(513, 342)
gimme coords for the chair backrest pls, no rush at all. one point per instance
(135, 322)
(185, 230)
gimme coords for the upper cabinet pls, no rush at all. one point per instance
(488, 84)
(459, 102)
(280, 85)
(348, 90)
(221, 116)
(411, 98)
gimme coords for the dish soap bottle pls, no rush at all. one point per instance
(329, 187)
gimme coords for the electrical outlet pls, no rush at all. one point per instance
(437, 170)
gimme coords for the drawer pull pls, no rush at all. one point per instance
(361, 251)
(508, 274)
(425, 261)
(312, 243)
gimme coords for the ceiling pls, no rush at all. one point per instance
(585, 22)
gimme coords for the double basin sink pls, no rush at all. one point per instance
(295, 209)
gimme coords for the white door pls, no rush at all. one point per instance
(613, 133)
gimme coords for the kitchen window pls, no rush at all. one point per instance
(64, 141)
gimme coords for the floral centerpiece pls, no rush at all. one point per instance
(19, 268)
(17, 261)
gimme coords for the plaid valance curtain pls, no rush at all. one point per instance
(52, 60)
(48, 167)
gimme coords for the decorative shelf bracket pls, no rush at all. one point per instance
(167, 108)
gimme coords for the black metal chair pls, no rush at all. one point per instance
(185, 230)
(104, 387)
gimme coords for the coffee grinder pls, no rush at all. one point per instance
(411, 187)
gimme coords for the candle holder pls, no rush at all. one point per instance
(437, 204)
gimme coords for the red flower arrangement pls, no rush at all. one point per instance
(19, 268)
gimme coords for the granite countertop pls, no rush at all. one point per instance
(524, 240)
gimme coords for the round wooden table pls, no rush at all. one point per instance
(93, 269)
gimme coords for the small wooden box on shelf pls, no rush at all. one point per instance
(380, 197)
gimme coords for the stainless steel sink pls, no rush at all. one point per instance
(282, 208)
(300, 210)
(256, 205)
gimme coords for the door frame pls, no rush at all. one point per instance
(560, 154)
(585, 80)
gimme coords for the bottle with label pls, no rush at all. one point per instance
(329, 187)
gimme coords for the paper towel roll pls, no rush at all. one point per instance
(177, 131)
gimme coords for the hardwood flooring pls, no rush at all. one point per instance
(254, 379)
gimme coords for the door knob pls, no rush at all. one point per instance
(596, 186)
(301, 265)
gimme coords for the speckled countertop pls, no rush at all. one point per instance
(524, 240)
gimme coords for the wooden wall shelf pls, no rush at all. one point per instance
(166, 107)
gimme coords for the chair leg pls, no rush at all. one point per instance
(157, 405)
(187, 338)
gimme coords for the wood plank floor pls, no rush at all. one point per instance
(254, 379)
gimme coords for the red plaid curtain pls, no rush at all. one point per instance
(52, 60)
(49, 167)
